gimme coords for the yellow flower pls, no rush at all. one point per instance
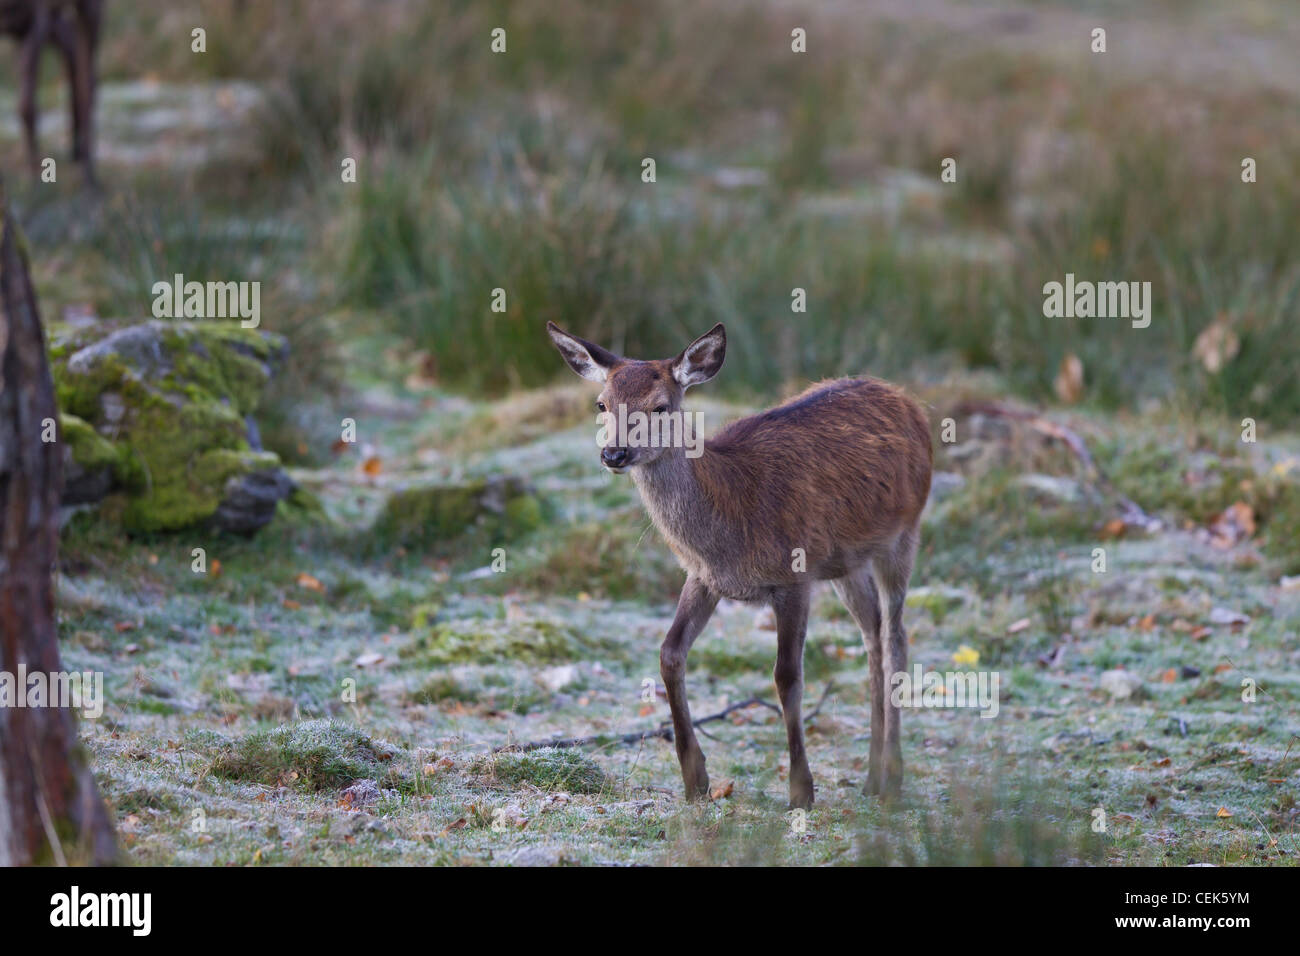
(966, 656)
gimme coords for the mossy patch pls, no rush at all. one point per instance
(481, 641)
(313, 755)
(87, 447)
(547, 768)
(498, 509)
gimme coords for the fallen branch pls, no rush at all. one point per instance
(1131, 512)
(663, 732)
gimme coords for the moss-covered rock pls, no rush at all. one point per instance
(500, 508)
(172, 401)
(90, 462)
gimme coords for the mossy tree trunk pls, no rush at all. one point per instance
(50, 810)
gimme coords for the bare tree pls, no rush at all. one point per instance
(50, 811)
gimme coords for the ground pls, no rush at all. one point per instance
(451, 665)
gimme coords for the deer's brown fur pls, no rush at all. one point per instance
(827, 486)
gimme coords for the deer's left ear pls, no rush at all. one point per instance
(586, 358)
(702, 359)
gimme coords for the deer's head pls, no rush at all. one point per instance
(632, 387)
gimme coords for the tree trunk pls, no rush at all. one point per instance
(50, 811)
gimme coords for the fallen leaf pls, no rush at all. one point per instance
(1223, 812)
(369, 659)
(1169, 676)
(722, 792)
(966, 656)
(1114, 528)
(372, 466)
(291, 604)
(1069, 379)
(305, 580)
(1216, 346)
(1223, 616)
(1017, 626)
(1234, 525)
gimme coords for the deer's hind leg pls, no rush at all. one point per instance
(858, 592)
(791, 607)
(892, 571)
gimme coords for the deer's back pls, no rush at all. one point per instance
(836, 471)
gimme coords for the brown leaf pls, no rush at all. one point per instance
(1224, 812)
(1216, 346)
(722, 792)
(372, 466)
(305, 580)
(1069, 379)
(1113, 529)
(1235, 525)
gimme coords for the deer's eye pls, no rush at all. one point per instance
(600, 407)
(660, 409)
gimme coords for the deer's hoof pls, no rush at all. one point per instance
(697, 783)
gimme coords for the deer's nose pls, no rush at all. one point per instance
(614, 457)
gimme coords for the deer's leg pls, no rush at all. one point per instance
(28, 72)
(858, 592)
(791, 607)
(694, 608)
(892, 571)
(88, 17)
(64, 34)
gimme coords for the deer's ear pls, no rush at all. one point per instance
(702, 359)
(587, 359)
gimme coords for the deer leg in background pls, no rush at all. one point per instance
(29, 67)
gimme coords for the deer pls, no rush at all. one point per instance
(828, 486)
(73, 27)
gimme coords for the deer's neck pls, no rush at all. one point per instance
(671, 491)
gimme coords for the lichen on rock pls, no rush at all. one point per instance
(173, 402)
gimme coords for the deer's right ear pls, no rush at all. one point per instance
(587, 359)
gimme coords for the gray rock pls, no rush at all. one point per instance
(250, 500)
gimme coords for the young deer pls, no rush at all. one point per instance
(841, 472)
(73, 27)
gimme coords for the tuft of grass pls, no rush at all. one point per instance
(311, 755)
(548, 768)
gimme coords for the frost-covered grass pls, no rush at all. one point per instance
(231, 693)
